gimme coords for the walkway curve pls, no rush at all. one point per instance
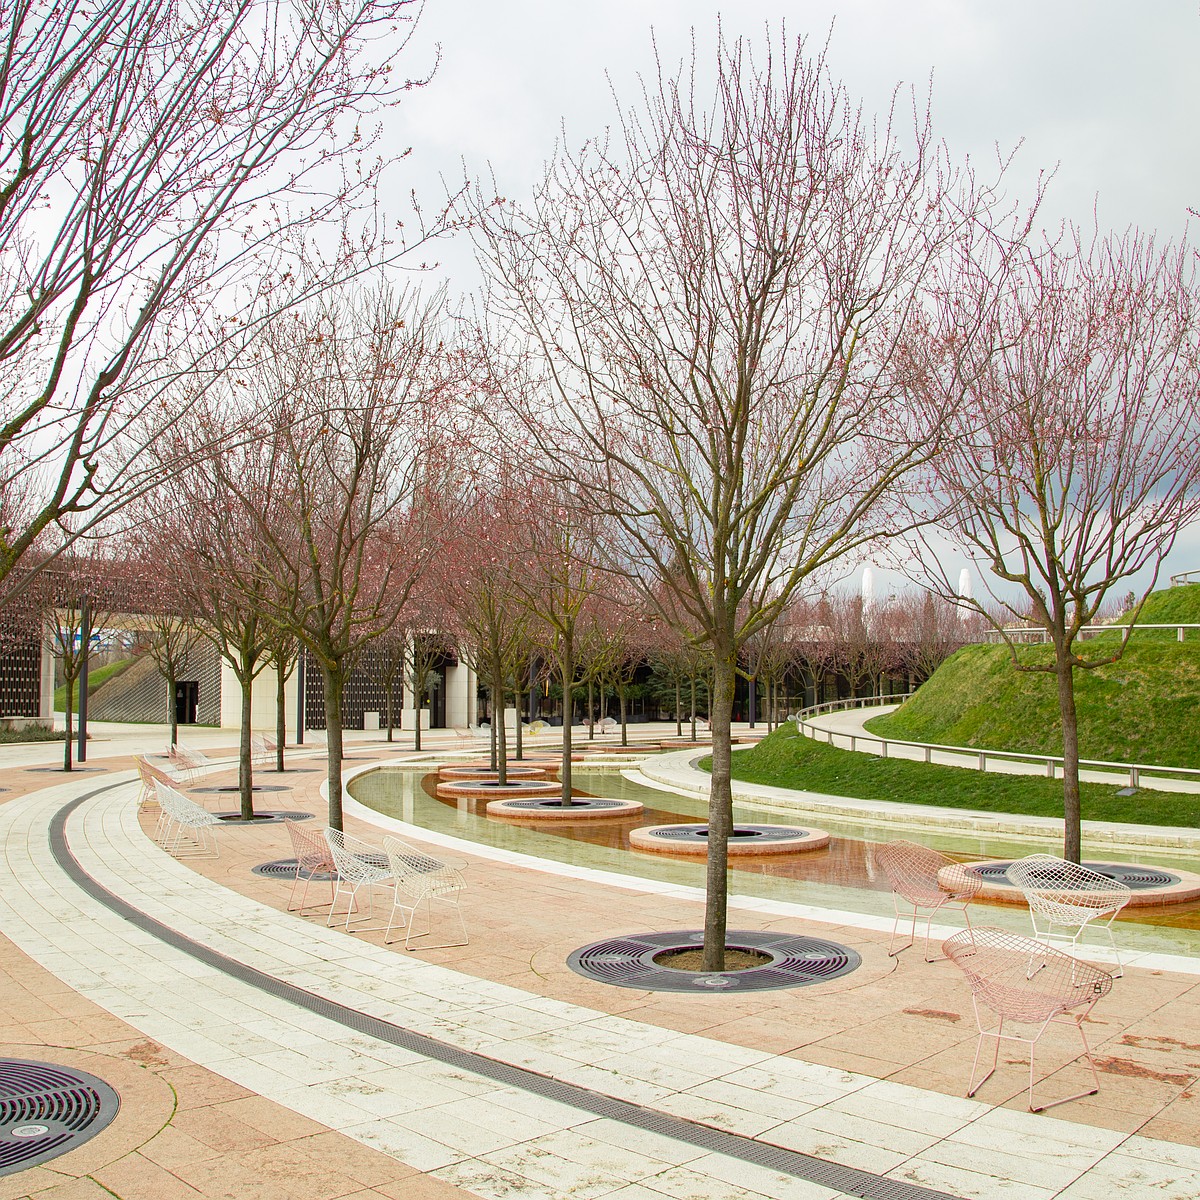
(844, 1179)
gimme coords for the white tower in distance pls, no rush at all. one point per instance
(868, 588)
(964, 583)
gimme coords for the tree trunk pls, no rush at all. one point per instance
(568, 677)
(418, 703)
(678, 710)
(753, 698)
(591, 713)
(391, 691)
(693, 708)
(720, 813)
(501, 763)
(517, 710)
(245, 761)
(334, 685)
(624, 726)
(1072, 848)
(280, 715)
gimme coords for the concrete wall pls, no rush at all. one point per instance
(262, 712)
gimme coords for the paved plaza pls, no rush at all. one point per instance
(259, 1053)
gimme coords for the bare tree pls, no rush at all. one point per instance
(717, 301)
(156, 160)
(356, 399)
(1072, 373)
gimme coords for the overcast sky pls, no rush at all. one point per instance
(1103, 93)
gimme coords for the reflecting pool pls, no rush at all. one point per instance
(841, 876)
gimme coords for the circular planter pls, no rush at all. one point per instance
(583, 808)
(746, 840)
(478, 789)
(485, 773)
(1150, 885)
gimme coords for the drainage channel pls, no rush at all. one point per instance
(848, 1180)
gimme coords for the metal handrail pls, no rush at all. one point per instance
(1053, 762)
(1037, 635)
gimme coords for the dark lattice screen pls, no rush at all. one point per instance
(364, 693)
(21, 680)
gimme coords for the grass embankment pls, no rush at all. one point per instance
(96, 677)
(786, 759)
(1144, 708)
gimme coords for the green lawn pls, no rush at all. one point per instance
(785, 759)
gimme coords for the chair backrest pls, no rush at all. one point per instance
(356, 861)
(411, 859)
(912, 870)
(1021, 978)
(1058, 883)
(310, 848)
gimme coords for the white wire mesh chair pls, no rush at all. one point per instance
(313, 857)
(359, 865)
(419, 878)
(1065, 897)
(926, 880)
(262, 750)
(184, 828)
(1026, 983)
(149, 774)
(188, 762)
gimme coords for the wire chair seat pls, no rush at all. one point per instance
(420, 878)
(1025, 982)
(1064, 896)
(927, 880)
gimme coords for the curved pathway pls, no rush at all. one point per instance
(488, 1136)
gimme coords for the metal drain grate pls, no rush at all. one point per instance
(263, 818)
(285, 868)
(852, 1181)
(227, 789)
(46, 1110)
(795, 962)
(1139, 878)
(699, 833)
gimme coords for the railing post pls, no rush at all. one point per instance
(883, 745)
(1134, 775)
(1049, 768)
(853, 740)
(982, 761)
(1179, 633)
(928, 754)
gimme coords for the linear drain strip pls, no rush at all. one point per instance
(849, 1180)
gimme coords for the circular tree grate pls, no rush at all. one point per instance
(285, 868)
(758, 833)
(46, 1110)
(795, 962)
(1135, 877)
(263, 818)
(589, 805)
